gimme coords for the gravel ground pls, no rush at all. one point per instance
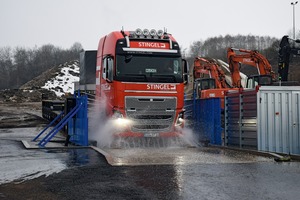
(14, 115)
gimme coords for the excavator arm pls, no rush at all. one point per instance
(213, 87)
(203, 66)
(248, 57)
(234, 68)
(285, 50)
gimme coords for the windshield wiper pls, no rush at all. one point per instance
(128, 58)
(138, 76)
(168, 76)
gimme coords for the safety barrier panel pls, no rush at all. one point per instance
(204, 117)
(240, 119)
(78, 125)
(265, 119)
(75, 117)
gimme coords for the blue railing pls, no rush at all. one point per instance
(77, 126)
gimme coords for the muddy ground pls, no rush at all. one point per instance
(218, 174)
(17, 115)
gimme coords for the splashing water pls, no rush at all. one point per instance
(189, 137)
(102, 131)
(100, 128)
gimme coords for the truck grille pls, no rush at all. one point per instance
(151, 114)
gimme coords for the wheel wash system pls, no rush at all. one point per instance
(245, 123)
(69, 122)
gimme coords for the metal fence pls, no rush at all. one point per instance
(266, 119)
(240, 119)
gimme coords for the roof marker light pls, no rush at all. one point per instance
(146, 32)
(160, 33)
(138, 32)
(152, 32)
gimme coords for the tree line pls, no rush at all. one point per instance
(216, 47)
(19, 65)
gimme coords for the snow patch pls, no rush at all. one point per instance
(64, 81)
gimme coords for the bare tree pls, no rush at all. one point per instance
(21, 64)
(5, 66)
(195, 48)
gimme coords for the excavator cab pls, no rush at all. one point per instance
(255, 80)
(204, 84)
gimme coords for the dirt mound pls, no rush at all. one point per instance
(34, 91)
(50, 74)
(19, 95)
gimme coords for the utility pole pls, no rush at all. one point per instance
(293, 4)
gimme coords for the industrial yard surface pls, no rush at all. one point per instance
(132, 173)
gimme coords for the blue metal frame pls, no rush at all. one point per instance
(59, 126)
(80, 134)
(78, 126)
(56, 118)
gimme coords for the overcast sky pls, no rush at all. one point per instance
(27, 23)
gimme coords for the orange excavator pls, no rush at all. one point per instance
(265, 76)
(212, 68)
(209, 79)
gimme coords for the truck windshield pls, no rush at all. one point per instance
(136, 68)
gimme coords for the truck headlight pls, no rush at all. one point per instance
(119, 119)
(180, 119)
(117, 115)
(122, 122)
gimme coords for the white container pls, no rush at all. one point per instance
(278, 119)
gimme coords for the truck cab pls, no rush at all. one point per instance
(140, 78)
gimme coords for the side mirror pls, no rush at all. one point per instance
(107, 72)
(185, 65)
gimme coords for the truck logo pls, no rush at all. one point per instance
(150, 45)
(162, 45)
(161, 87)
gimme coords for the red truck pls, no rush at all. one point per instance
(140, 77)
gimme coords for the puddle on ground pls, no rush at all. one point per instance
(19, 164)
(177, 156)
